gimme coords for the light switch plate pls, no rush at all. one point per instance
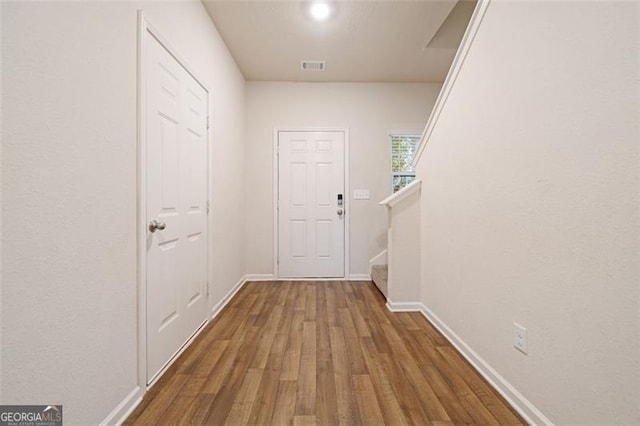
(361, 194)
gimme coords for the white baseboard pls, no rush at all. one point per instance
(214, 312)
(404, 306)
(521, 404)
(177, 355)
(359, 277)
(131, 401)
(227, 297)
(356, 277)
(259, 277)
(271, 277)
(122, 410)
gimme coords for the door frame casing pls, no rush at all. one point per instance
(276, 193)
(144, 26)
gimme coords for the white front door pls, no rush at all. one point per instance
(176, 204)
(311, 204)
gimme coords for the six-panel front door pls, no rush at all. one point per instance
(176, 205)
(311, 210)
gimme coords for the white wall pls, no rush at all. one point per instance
(69, 322)
(404, 284)
(1, 238)
(530, 205)
(369, 111)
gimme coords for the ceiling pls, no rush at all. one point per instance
(367, 41)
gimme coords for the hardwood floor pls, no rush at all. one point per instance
(326, 352)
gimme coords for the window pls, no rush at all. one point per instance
(403, 147)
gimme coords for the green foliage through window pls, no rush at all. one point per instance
(403, 147)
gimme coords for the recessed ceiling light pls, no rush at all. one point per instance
(320, 11)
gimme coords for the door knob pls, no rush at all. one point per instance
(155, 225)
(340, 212)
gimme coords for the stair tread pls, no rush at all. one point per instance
(380, 270)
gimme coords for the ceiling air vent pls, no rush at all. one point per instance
(312, 65)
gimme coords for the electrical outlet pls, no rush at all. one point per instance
(520, 338)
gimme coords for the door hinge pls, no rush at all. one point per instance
(207, 122)
(207, 288)
(207, 206)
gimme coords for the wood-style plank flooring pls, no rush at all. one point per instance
(327, 353)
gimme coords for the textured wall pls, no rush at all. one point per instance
(1, 238)
(404, 251)
(530, 205)
(69, 321)
(370, 111)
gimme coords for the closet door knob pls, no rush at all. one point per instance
(155, 225)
